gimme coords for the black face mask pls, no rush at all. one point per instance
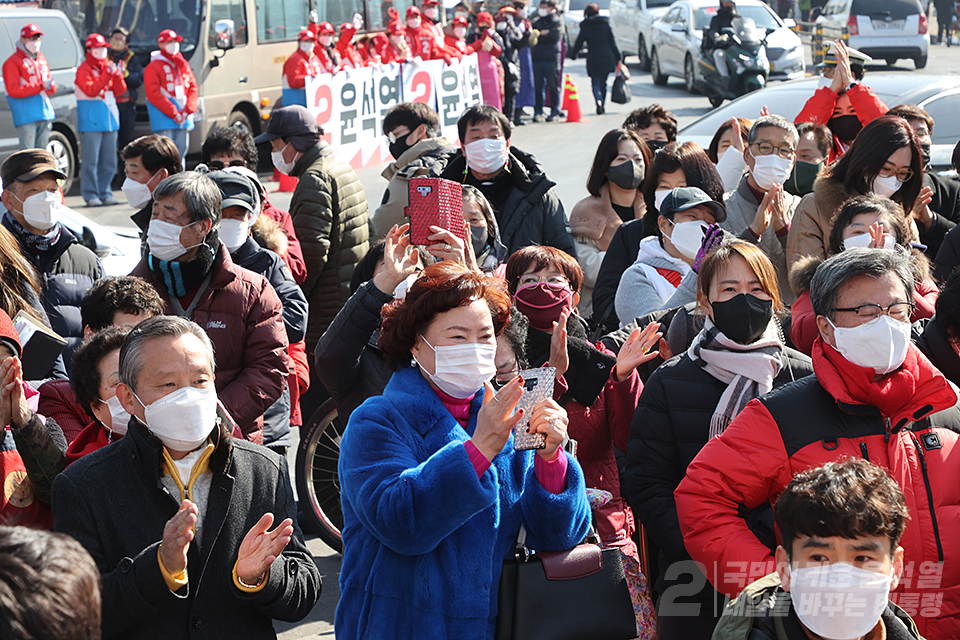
(743, 318)
(925, 152)
(479, 237)
(845, 128)
(400, 147)
(656, 145)
(627, 175)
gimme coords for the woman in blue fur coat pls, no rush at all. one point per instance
(432, 490)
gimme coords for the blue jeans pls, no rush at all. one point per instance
(181, 138)
(599, 86)
(99, 150)
(546, 73)
(34, 135)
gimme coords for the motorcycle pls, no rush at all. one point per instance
(744, 49)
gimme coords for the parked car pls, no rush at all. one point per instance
(678, 36)
(937, 95)
(119, 252)
(64, 53)
(573, 16)
(632, 24)
(883, 29)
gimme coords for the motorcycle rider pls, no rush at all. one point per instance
(717, 40)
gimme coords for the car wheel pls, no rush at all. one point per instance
(240, 116)
(642, 55)
(61, 149)
(688, 75)
(658, 78)
(920, 62)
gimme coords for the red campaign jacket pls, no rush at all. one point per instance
(819, 109)
(158, 89)
(907, 423)
(298, 66)
(327, 64)
(389, 54)
(349, 56)
(422, 43)
(23, 76)
(457, 47)
(241, 313)
(95, 80)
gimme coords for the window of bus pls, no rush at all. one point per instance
(228, 10)
(378, 12)
(281, 19)
(144, 19)
(336, 12)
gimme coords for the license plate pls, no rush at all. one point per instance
(893, 25)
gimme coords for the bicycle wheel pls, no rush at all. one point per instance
(318, 484)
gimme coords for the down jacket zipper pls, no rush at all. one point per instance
(933, 512)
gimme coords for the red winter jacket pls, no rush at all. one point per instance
(298, 66)
(241, 313)
(327, 63)
(819, 109)
(58, 400)
(23, 76)
(350, 58)
(158, 89)
(907, 423)
(96, 84)
(422, 43)
(294, 255)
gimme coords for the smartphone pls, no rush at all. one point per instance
(435, 202)
(537, 387)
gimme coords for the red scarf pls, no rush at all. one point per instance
(912, 392)
(93, 437)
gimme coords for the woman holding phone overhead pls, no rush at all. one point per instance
(433, 492)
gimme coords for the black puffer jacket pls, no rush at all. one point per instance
(532, 213)
(602, 51)
(670, 426)
(548, 44)
(348, 361)
(65, 272)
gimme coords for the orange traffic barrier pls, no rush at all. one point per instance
(287, 183)
(574, 114)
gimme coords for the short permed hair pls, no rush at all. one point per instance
(232, 140)
(650, 115)
(850, 498)
(439, 288)
(112, 294)
(540, 257)
(412, 115)
(85, 366)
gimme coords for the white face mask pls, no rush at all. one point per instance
(233, 233)
(164, 240)
(880, 344)
(401, 291)
(184, 419)
(282, 165)
(459, 32)
(33, 46)
(720, 155)
(40, 209)
(770, 170)
(430, 13)
(659, 196)
(325, 40)
(119, 418)
(886, 186)
(863, 240)
(306, 47)
(823, 82)
(462, 368)
(543, 13)
(414, 24)
(839, 600)
(687, 237)
(100, 53)
(486, 155)
(172, 48)
(138, 194)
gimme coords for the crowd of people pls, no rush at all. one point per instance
(754, 348)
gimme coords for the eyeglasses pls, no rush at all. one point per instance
(218, 165)
(501, 379)
(765, 149)
(900, 311)
(530, 278)
(902, 176)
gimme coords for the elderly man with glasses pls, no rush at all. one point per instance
(873, 396)
(759, 210)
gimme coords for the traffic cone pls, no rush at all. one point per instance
(568, 86)
(287, 183)
(574, 114)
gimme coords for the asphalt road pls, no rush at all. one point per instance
(566, 150)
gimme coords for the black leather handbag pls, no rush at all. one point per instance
(620, 94)
(577, 594)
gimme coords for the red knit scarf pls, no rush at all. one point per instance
(912, 392)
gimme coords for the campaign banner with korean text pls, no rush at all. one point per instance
(350, 105)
